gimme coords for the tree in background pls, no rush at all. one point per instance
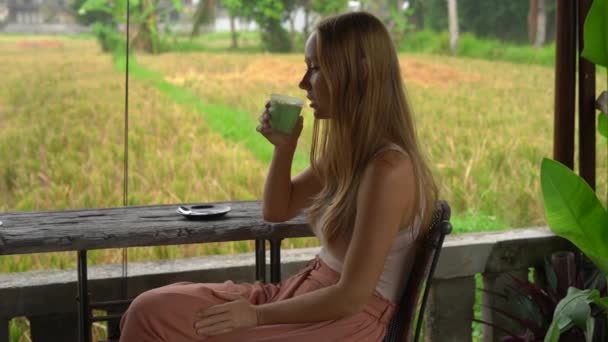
(269, 15)
(90, 17)
(145, 16)
(322, 8)
(537, 22)
(204, 14)
(453, 25)
(417, 18)
(397, 15)
(328, 7)
(497, 19)
(305, 5)
(236, 9)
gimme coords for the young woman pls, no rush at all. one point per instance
(366, 194)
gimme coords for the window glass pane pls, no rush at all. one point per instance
(61, 117)
(468, 104)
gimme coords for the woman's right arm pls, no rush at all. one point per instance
(285, 198)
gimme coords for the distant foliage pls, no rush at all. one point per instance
(326, 7)
(269, 15)
(109, 39)
(90, 17)
(505, 20)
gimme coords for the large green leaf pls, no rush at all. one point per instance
(590, 330)
(602, 124)
(603, 302)
(574, 212)
(599, 261)
(596, 33)
(572, 310)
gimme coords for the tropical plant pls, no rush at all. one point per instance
(572, 209)
(568, 309)
(536, 310)
(205, 14)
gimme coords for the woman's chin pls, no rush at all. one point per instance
(319, 115)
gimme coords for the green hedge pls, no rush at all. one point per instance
(471, 46)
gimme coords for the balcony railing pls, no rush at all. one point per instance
(47, 298)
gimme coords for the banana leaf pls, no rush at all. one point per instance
(596, 33)
(574, 212)
(574, 310)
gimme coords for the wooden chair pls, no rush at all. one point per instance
(400, 327)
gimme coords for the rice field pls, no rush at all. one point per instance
(484, 125)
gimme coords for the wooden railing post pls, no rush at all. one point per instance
(496, 283)
(4, 329)
(450, 310)
(54, 328)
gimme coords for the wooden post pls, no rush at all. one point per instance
(60, 327)
(586, 105)
(496, 283)
(565, 61)
(4, 329)
(450, 304)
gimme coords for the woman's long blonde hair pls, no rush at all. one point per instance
(367, 105)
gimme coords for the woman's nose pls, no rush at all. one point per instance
(304, 83)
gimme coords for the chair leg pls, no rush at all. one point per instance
(113, 329)
(260, 260)
(275, 260)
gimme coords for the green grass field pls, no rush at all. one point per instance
(484, 125)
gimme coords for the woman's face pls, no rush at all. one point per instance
(313, 81)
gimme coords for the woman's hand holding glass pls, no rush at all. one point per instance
(276, 138)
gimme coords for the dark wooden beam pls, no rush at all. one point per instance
(565, 62)
(586, 104)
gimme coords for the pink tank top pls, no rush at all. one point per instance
(399, 261)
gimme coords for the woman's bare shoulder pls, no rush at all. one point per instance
(389, 162)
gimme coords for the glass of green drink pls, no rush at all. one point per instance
(284, 112)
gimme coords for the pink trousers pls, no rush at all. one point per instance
(168, 313)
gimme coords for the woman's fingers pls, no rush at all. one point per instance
(265, 130)
(215, 329)
(264, 117)
(211, 320)
(297, 128)
(264, 120)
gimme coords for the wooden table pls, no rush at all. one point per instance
(82, 230)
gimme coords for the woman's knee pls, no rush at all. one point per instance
(172, 300)
(148, 303)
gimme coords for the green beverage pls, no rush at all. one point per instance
(284, 112)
